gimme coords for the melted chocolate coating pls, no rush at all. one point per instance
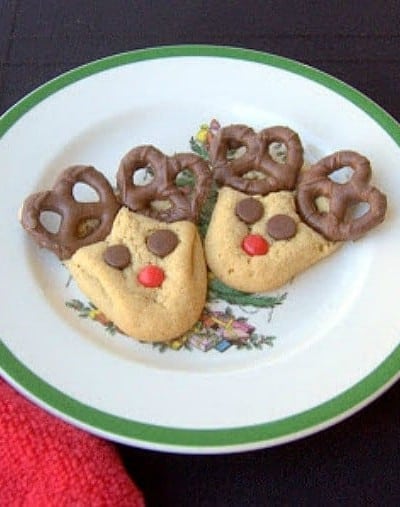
(184, 206)
(336, 225)
(60, 200)
(277, 176)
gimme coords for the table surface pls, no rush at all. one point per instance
(356, 462)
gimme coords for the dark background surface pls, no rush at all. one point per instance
(356, 462)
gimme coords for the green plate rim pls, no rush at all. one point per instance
(125, 429)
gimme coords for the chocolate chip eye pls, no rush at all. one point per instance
(281, 227)
(117, 256)
(249, 210)
(162, 242)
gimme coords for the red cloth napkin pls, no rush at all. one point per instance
(46, 462)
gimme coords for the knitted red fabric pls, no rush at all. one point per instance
(45, 462)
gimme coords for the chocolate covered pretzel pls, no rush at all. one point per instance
(73, 214)
(145, 276)
(337, 224)
(182, 205)
(275, 176)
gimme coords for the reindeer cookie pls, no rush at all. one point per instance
(142, 266)
(267, 229)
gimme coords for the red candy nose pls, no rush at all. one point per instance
(151, 276)
(254, 244)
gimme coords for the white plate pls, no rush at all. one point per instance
(337, 331)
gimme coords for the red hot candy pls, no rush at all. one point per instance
(151, 276)
(254, 244)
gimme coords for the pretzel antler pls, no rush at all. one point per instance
(60, 200)
(276, 176)
(336, 224)
(139, 198)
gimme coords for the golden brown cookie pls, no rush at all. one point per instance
(258, 243)
(147, 276)
(115, 285)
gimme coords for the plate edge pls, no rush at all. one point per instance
(118, 428)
